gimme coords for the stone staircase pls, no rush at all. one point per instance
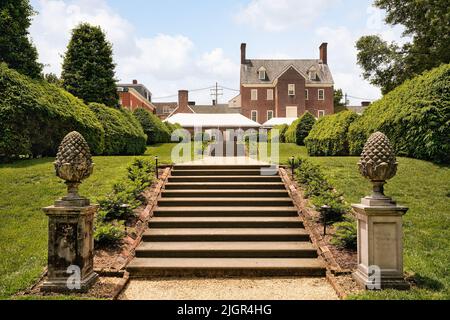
(221, 220)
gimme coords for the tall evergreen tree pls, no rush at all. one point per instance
(88, 67)
(16, 49)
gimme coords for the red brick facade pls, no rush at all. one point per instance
(132, 100)
(306, 93)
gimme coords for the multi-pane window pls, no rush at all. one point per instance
(255, 115)
(269, 114)
(320, 113)
(254, 94)
(306, 94)
(269, 94)
(291, 90)
(321, 94)
(167, 110)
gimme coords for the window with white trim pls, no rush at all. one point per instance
(312, 75)
(262, 74)
(321, 94)
(167, 110)
(269, 94)
(306, 94)
(320, 113)
(291, 89)
(254, 115)
(269, 114)
(254, 94)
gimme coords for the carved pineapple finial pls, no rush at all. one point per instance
(378, 162)
(73, 164)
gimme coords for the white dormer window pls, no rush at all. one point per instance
(312, 74)
(262, 74)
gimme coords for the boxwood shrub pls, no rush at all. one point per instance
(156, 130)
(123, 133)
(415, 116)
(328, 137)
(300, 128)
(35, 116)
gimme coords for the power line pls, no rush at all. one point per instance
(176, 95)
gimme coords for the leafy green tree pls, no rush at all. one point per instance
(339, 104)
(388, 65)
(53, 79)
(16, 49)
(88, 67)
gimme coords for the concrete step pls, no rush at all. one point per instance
(224, 179)
(237, 193)
(231, 202)
(224, 185)
(226, 250)
(226, 234)
(213, 267)
(192, 211)
(225, 222)
(218, 167)
(217, 172)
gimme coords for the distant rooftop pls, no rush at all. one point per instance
(217, 120)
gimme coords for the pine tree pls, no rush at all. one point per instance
(88, 67)
(16, 49)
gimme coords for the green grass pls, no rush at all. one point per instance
(422, 186)
(27, 186)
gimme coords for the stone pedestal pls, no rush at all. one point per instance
(380, 244)
(70, 248)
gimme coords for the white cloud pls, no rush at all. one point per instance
(164, 63)
(279, 15)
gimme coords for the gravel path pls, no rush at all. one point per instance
(230, 289)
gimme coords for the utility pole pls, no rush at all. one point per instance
(215, 93)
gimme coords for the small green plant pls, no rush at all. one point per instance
(319, 190)
(346, 235)
(107, 233)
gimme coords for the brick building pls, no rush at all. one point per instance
(135, 95)
(285, 88)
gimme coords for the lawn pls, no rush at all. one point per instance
(422, 186)
(27, 186)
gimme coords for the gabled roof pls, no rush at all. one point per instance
(275, 68)
(221, 120)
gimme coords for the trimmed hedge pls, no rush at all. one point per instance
(35, 116)
(156, 130)
(415, 116)
(328, 137)
(300, 128)
(123, 133)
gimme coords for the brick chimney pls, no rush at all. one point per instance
(183, 102)
(324, 52)
(135, 82)
(243, 53)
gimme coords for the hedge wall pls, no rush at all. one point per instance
(156, 130)
(35, 116)
(123, 133)
(415, 116)
(300, 128)
(282, 128)
(328, 137)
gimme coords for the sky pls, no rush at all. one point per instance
(173, 44)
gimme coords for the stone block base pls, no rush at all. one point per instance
(60, 285)
(364, 282)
